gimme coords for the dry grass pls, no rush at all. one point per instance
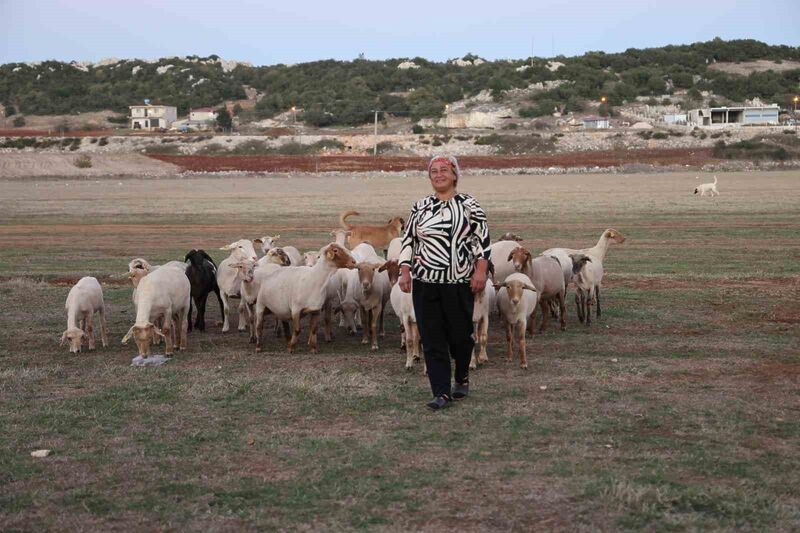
(677, 410)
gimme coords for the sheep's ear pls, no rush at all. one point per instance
(159, 332)
(330, 253)
(510, 255)
(127, 336)
(333, 233)
(529, 287)
(275, 238)
(499, 286)
(258, 241)
(348, 233)
(378, 266)
(226, 247)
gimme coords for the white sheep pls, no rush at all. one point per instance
(266, 243)
(340, 236)
(371, 292)
(162, 294)
(229, 282)
(597, 254)
(516, 301)
(546, 274)
(485, 301)
(295, 291)
(500, 255)
(395, 247)
(85, 299)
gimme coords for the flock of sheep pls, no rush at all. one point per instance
(357, 284)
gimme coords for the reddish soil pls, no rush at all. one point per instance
(328, 163)
(53, 133)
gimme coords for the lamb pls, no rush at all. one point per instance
(202, 274)
(403, 305)
(310, 258)
(229, 281)
(378, 236)
(485, 301)
(368, 290)
(85, 299)
(292, 292)
(162, 294)
(597, 254)
(516, 301)
(252, 273)
(500, 253)
(588, 276)
(710, 188)
(547, 277)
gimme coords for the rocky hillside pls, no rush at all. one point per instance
(345, 92)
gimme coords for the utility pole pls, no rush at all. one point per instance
(375, 136)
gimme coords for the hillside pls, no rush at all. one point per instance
(345, 92)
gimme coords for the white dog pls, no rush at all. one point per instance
(710, 188)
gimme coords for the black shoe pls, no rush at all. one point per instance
(440, 402)
(460, 391)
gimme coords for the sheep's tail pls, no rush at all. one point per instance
(343, 221)
(715, 180)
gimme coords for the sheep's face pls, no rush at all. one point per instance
(279, 257)
(143, 336)
(514, 289)
(311, 258)
(266, 242)
(520, 258)
(247, 270)
(366, 274)
(393, 269)
(73, 336)
(615, 236)
(340, 257)
(241, 249)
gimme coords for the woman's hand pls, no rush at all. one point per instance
(478, 281)
(405, 278)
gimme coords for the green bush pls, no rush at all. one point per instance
(752, 149)
(385, 147)
(103, 141)
(19, 122)
(660, 135)
(83, 161)
(416, 129)
(516, 144)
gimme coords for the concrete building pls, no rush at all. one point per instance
(152, 117)
(676, 118)
(595, 123)
(722, 116)
(202, 114)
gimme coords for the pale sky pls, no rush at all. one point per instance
(292, 31)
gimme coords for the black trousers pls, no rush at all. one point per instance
(444, 318)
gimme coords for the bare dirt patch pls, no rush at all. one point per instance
(329, 163)
(25, 165)
(745, 68)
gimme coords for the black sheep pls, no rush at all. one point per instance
(202, 274)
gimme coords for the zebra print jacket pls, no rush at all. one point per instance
(443, 239)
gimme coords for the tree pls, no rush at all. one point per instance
(237, 108)
(224, 120)
(10, 110)
(19, 122)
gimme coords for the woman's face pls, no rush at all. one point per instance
(443, 179)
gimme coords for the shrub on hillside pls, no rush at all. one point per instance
(83, 161)
(19, 122)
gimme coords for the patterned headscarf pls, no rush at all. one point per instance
(450, 160)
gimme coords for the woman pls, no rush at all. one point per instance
(446, 247)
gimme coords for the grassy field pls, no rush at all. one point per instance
(678, 410)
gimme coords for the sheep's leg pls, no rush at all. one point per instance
(287, 333)
(375, 324)
(365, 327)
(382, 330)
(483, 340)
(169, 334)
(328, 319)
(562, 310)
(200, 321)
(259, 326)
(589, 295)
(295, 331)
(473, 361)
(244, 317)
(597, 298)
(82, 325)
(277, 327)
(226, 311)
(219, 297)
(579, 304)
(523, 360)
(184, 329)
(509, 340)
(532, 320)
(312, 334)
(403, 335)
(251, 312)
(409, 345)
(190, 312)
(103, 327)
(159, 323)
(545, 307)
(90, 330)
